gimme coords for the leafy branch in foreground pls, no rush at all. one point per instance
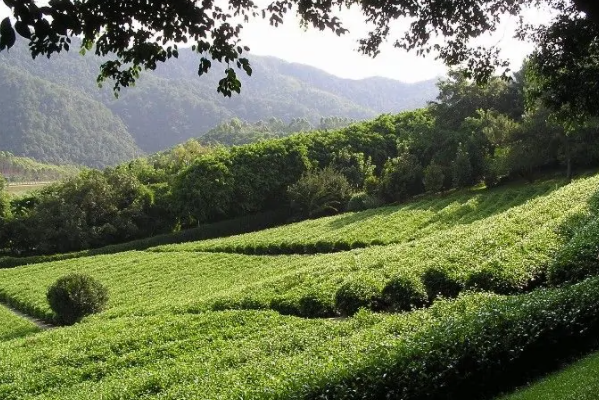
(138, 34)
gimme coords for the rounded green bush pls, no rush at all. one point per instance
(438, 282)
(262, 249)
(322, 246)
(285, 306)
(297, 248)
(358, 244)
(315, 305)
(404, 293)
(362, 201)
(74, 296)
(491, 279)
(362, 292)
(342, 245)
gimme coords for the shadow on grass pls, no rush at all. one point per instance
(455, 208)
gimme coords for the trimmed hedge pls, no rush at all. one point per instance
(468, 348)
(359, 292)
(230, 227)
(404, 293)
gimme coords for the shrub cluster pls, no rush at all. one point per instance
(363, 201)
(473, 347)
(404, 293)
(359, 292)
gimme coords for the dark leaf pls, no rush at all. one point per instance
(7, 34)
(23, 29)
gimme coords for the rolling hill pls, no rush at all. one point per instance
(172, 104)
(185, 321)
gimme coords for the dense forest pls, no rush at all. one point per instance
(471, 134)
(55, 124)
(58, 114)
(238, 132)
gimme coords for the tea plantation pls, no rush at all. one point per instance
(13, 326)
(458, 296)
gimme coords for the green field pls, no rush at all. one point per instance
(183, 322)
(380, 226)
(263, 355)
(505, 252)
(17, 189)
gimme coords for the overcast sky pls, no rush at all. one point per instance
(338, 55)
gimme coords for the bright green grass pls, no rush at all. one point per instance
(579, 381)
(515, 246)
(264, 355)
(142, 282)
(13, 326)
(386, 225)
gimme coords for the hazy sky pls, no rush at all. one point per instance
(338, 55)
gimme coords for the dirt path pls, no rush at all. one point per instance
(43, 325)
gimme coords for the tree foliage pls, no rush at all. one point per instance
(136, 35)
(320, 192)
(394, 156)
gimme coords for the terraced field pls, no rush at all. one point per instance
(506, 252)
(263, 355)
(187, 321)
(381, 226)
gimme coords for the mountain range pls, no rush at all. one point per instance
(52, 109)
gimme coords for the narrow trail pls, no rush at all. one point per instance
(43, 325)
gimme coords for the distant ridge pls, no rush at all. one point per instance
(75, 122)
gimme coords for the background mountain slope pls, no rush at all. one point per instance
(52, 123)
(172, 104)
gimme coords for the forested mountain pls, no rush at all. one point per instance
(55, 124)
(170, 105)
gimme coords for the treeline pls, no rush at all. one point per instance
(23, 169)
(471, 134)
(238, 132)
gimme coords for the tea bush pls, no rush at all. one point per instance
(75, 296)
(404, 292)
(360, 292)
(579, 258)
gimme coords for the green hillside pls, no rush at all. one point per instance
(185, 323)
(170, 105)
(505, 251)
(51, 123)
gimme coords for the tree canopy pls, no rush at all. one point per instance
(138, 34)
